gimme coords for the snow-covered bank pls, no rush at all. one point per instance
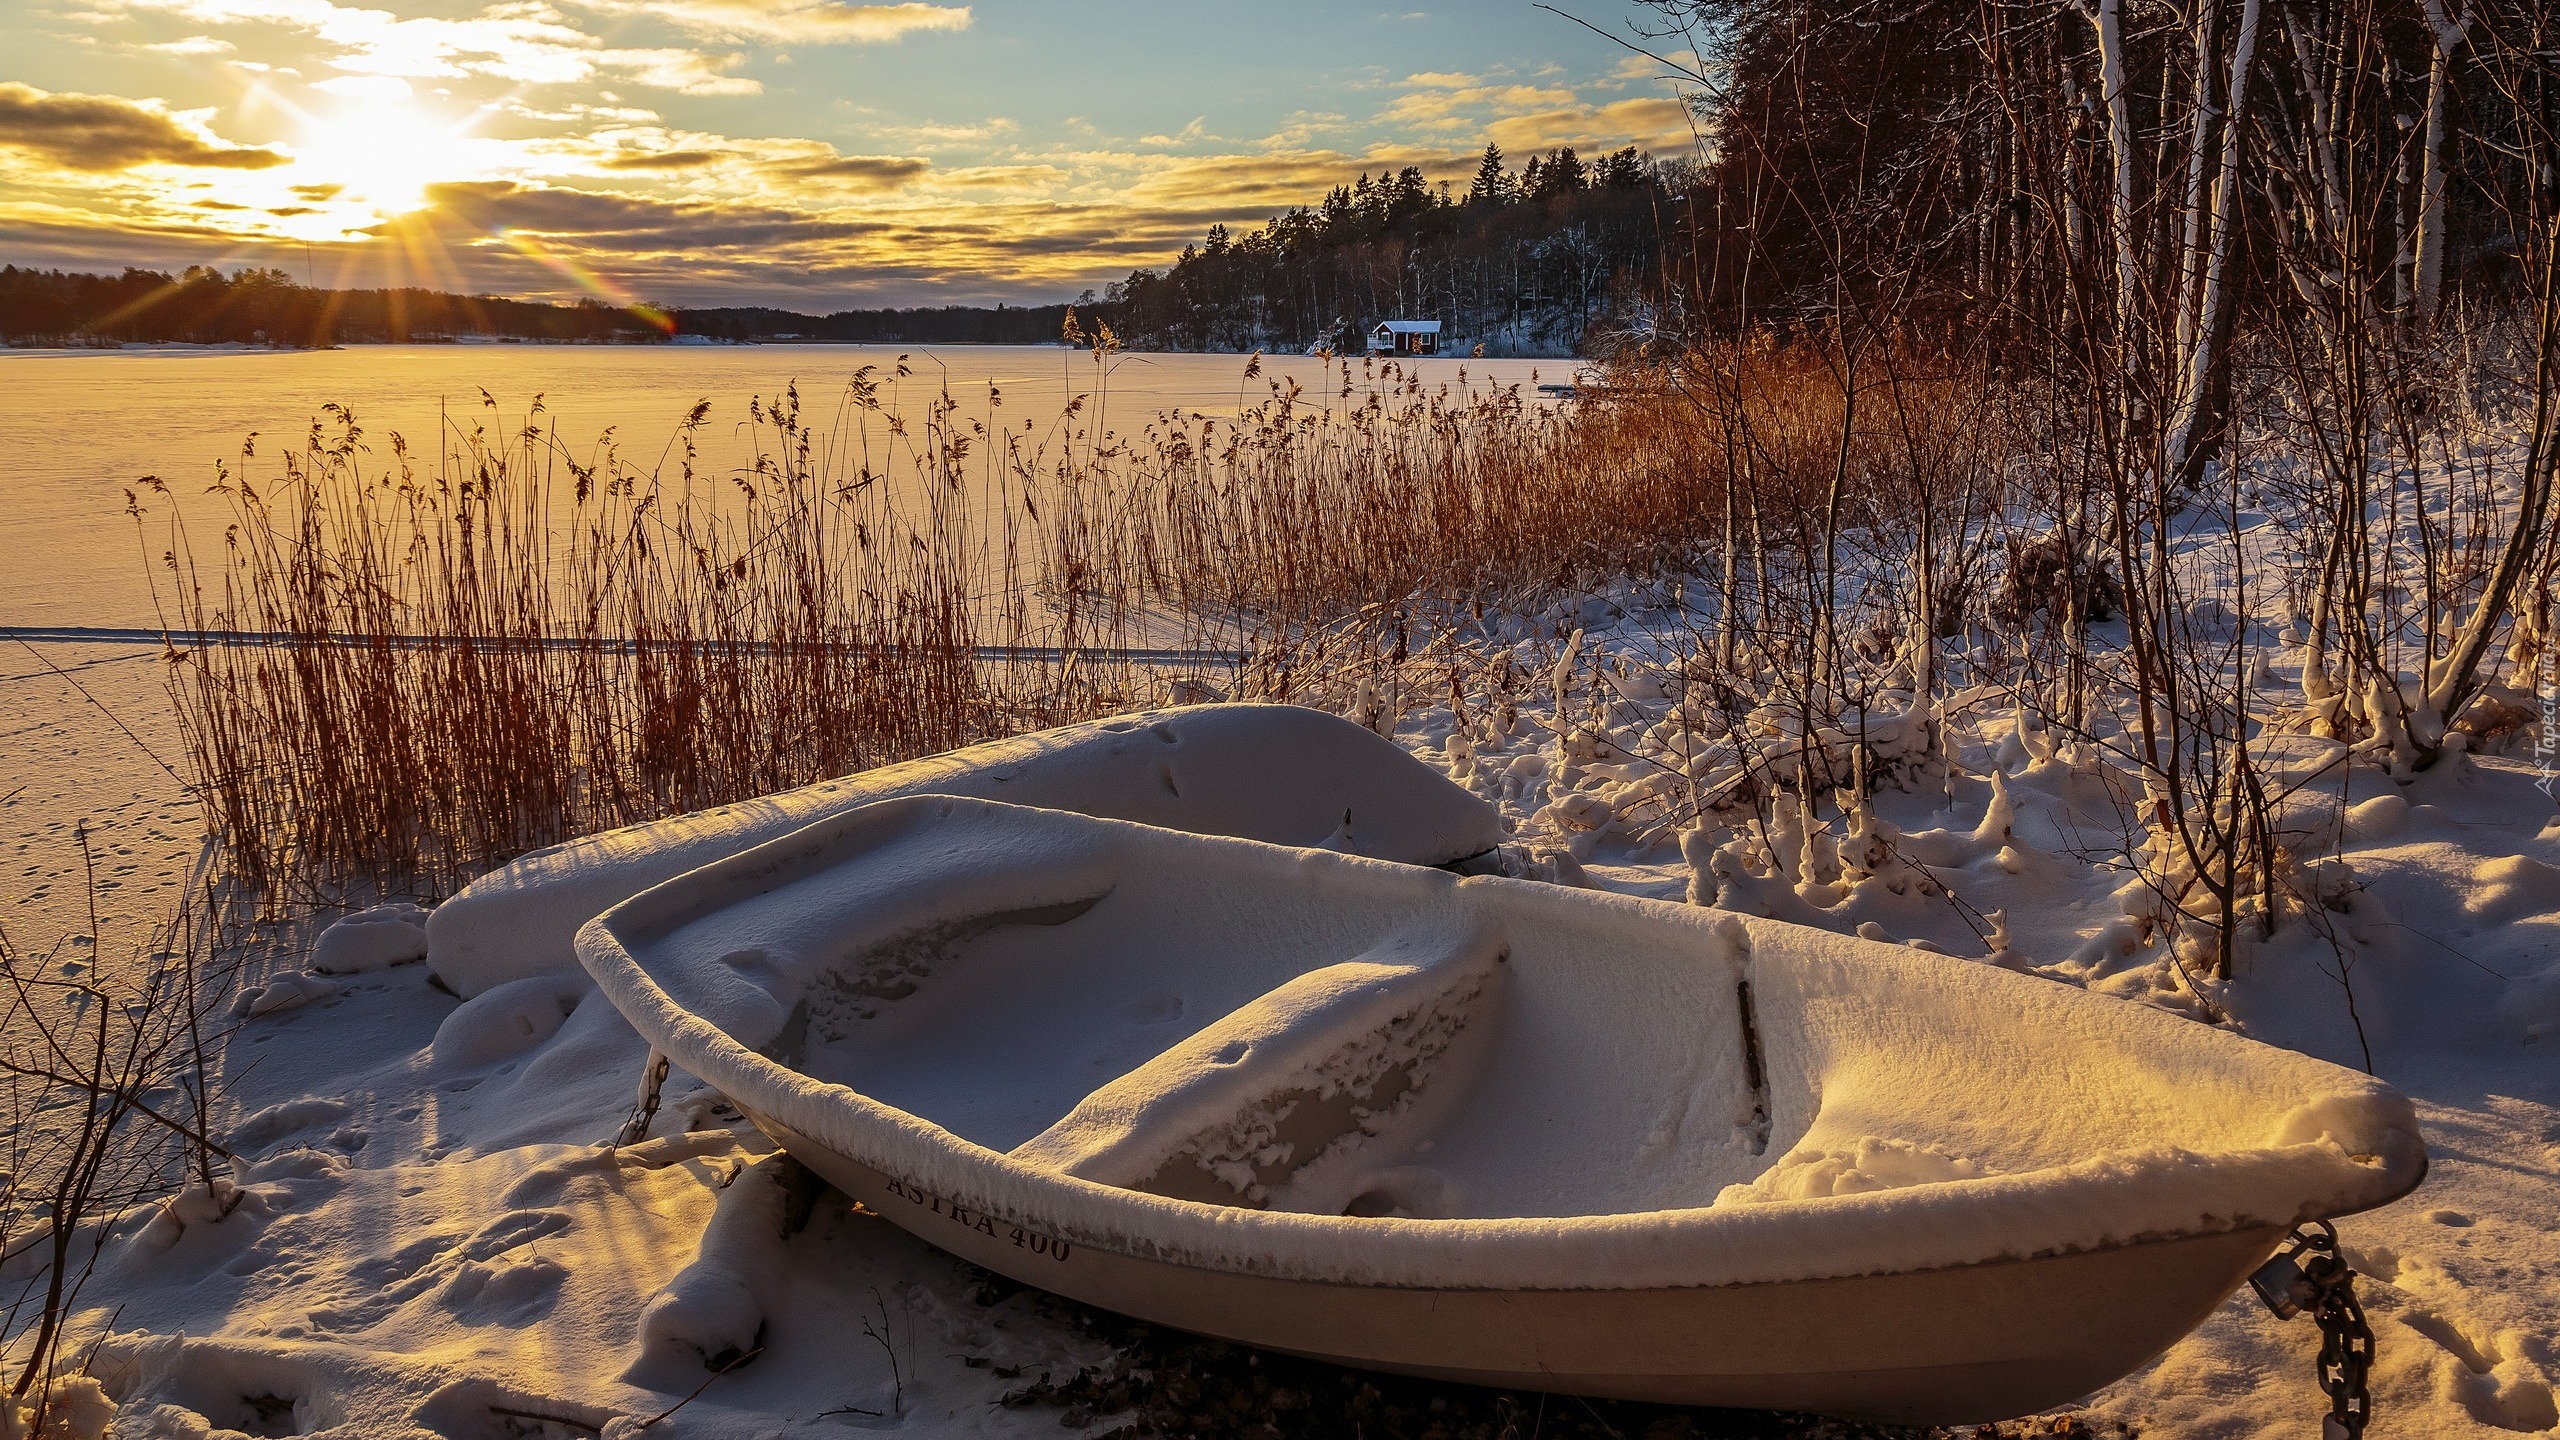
(435, 1241)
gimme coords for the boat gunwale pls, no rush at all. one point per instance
(1692, 1247)
(2275, 1231)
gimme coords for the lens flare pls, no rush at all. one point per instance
(532, 247)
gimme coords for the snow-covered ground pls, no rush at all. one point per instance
(2442, 963)
(434, 1238)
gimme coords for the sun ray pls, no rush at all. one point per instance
(532, 247)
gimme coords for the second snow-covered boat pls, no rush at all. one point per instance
(1485, 1129)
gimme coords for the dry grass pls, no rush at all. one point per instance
(401, 671)
(447, 664)
(1304, 506)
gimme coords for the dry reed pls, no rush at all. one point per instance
(400, 672)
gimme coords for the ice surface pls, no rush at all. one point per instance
(1266, 772)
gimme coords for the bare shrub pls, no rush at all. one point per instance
(106, 1088)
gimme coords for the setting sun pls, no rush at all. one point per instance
(382, 154)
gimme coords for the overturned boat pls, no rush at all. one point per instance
(1484, 1129)
(1282, 773)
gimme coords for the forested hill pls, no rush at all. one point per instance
(1531, 261)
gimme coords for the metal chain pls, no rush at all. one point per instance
(2310, 1274)
(2346, 1353)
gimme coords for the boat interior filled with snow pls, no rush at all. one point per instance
(1487, 1129)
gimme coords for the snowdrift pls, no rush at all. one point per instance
(1280, 773)
(1485, 1129)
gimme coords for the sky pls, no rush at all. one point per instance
(811, 154)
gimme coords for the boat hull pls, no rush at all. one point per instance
(1967, 1344)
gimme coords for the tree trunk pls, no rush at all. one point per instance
(2448, 31)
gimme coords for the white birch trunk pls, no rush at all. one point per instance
(2200, 359)
(2449, 32)
(2333, 204)
(2114, 87)
(2190, 245)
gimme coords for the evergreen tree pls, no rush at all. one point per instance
(1492, 184)
(1563, 175)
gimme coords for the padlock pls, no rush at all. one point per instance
(2283, 1287)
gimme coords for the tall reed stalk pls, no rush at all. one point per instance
(402, 670)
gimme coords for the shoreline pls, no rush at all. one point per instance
(234, 347)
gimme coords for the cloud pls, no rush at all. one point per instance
(682, 71)
(1301, 129)
(1189, 134)
(933, 134)
(365, 87)
(524, 41)
(863, 172)
(1651, 123)
(810, 22)
(193, 45)
(1445, 106)
(796, 165)
(1001, 177)
(634, 224)
(604, 114)
(100, 133)
(664, 160)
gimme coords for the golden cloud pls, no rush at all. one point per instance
(100, 133)
(1655, 123)
(530, 44)
(815, 22)
(1451, 107)
(662, 160)
(863, 172)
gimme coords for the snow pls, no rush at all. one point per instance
(375, 938)
(1267, 772)
(381, 1276)
(1217, 1099)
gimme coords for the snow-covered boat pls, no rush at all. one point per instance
(1486, 1129)
(1280, 773)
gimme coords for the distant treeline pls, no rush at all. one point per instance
(1527, 261)
(267, 307)
(940, 325)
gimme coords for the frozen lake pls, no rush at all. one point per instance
(79, 427)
